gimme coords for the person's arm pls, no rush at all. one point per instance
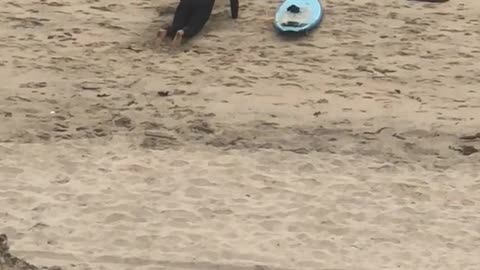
(234, 8)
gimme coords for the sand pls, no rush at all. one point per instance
(355, 147)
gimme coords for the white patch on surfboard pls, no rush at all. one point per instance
(299, 19)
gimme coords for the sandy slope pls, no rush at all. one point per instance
(198, 208)
(352, 148)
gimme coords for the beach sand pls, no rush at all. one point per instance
(355, 147)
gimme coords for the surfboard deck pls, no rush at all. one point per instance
(298, 16)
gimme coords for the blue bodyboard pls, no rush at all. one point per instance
(298, 16)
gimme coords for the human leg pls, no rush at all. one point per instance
(180, 19)
(199, 17)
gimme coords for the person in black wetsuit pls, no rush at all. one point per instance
(190, 17)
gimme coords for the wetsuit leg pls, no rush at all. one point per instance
(199, 17)
(182, 16)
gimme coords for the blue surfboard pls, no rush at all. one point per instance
(298, 16)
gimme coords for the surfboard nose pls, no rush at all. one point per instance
(298, 15)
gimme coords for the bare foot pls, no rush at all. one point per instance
(160, 37)
(177, 41)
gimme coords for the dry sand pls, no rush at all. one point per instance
(352, 148)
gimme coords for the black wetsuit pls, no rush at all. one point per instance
(192, 15)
